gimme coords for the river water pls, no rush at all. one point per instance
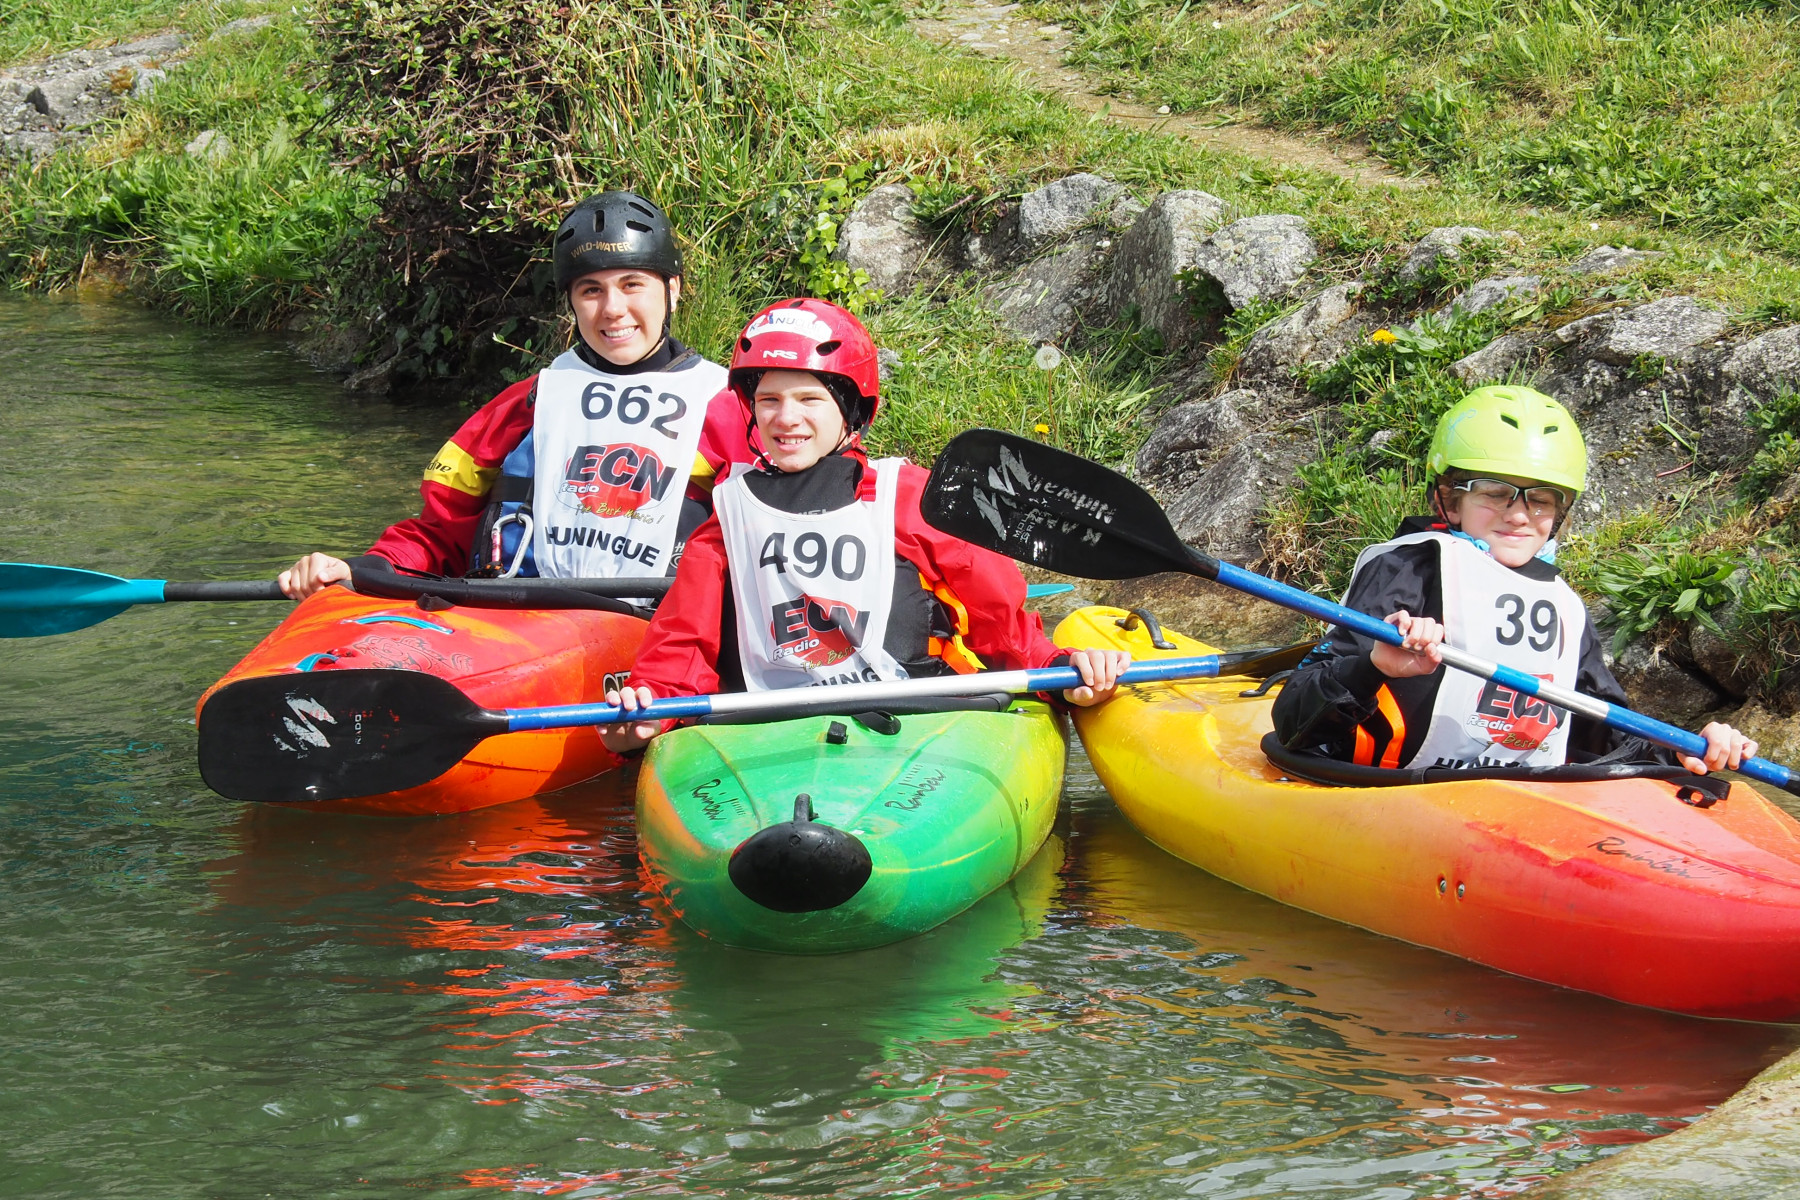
(204, 999)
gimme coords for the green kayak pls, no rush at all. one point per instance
(826, 834)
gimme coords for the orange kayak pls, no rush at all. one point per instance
(1615, 887)
(501, 658)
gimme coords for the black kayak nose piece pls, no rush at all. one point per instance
(800, 865)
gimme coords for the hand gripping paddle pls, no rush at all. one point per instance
(1046, 506)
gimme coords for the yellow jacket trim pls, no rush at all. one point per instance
(456, 469)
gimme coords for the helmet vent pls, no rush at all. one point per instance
(1551, 428)
(827, 347)
(797, 303)
(637, 225)
(744, 344)
(649, 213)
(566, 234)
(1513, 421)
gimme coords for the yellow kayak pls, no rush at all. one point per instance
(1614, 887)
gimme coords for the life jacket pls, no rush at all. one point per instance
(1499, 614)
(812, 591)
(597, 488)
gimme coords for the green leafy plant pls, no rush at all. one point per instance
(1644, 588)
(1777, 460)
(822, 212)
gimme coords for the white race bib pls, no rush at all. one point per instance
(812, 591)
(613, 456)
(1498, 614)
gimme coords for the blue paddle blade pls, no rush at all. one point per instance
(37, 600)
(1037, 591)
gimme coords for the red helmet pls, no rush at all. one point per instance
(811, 335)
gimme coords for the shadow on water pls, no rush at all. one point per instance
(214, 1001)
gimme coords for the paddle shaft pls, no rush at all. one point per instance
(852, 696)
(1636, 723)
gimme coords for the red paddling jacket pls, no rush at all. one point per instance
(956, 607)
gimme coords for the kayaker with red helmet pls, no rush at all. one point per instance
(816, 567)
(1506, 465)
(599, 465)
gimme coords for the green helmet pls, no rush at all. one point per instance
(1510, 431)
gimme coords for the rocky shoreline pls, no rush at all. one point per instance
(1664, 388)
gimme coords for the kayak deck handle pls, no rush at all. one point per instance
(1151, 625)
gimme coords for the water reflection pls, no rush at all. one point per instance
(1452, 1042)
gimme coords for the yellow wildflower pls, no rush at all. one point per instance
(1383, 337)
(1040, 427)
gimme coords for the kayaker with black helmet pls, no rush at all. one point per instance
(598, 466)
(816, 567)
(1505, 466)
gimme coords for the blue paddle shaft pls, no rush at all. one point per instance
(853, 696)
(1648, 728)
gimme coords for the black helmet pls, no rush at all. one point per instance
(613, 231)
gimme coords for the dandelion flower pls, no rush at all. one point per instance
(1040, 427)
(1048, 357)
(1383, 337)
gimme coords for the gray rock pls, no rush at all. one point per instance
(1656, 683)
(376, 380)
(56, 99)
(1124, 212)
(1257, 258)
(1316, 333)
(1495, 361)
(209, 144)
(1060, 208)
(49, 104)
(1668, 329)
(1612, 260)
(244, 25)
(1221, 513)
(1723, 666)
(881, 236)
(1444, 242)
(1042, 300)
(1492, 293)
(1749, 375)
(887, 362)
(1190, 434)
(1160, 244)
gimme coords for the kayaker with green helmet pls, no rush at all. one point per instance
(599, 465)
(1505, 467)
(817, 567)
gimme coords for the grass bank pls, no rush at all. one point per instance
(399, 168)
(1683, 113)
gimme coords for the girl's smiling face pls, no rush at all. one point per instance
(1514, 527)
(621, 312)
(798, 418)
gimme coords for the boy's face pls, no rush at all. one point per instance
(620, 313)
(798, 418)
(1514, 527)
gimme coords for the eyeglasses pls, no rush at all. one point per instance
(1500, 496)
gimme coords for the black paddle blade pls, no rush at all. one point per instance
(1057, 510)
(336, 735)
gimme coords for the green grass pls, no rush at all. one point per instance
(1683, 114)
(244, 236)
(959, 368)
(34, 29)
